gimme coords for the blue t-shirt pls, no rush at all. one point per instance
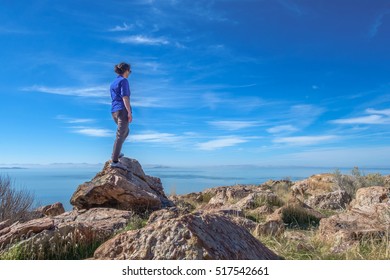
(119, 88)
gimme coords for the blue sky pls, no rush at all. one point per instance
(281, 82)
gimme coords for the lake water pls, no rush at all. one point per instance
(51, 185)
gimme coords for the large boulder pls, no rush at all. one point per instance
(197, 236)
(58, 237)
(121, 189)
(367, 217)
(51, 210)
(320, 191)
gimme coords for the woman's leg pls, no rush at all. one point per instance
(121, 119)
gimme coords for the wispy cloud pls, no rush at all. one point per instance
(84, 130)
(378, 23)
(73, 120)
(97, 91)
(142, 40)
(155, 137)
(385, 112)
(120, 28)
(222, 142)
(94, 132)
(282, 129)
(234, 125)
(292, 7)
(214, 100)
(372, 119)
(375, 117)
(305, 140)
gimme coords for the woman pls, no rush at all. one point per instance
(120, 110)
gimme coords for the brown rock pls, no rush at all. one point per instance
(331, 201)
(319, 191)
(367, 197)
(120, 189)
(316, 184)
(50, 210)
(367, 217)
(192, 237)
(44, 238)
(19, 231)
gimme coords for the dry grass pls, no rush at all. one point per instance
(15, 205)
(312, 248)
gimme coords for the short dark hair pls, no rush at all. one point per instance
(121, 68)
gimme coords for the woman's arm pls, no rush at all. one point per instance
(126, 100)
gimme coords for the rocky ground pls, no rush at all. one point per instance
(126, 215)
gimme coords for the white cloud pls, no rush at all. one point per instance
(305, 140)
(155, 137)
(73, 120)
(385, 112)
(282, 129)
(221, 143)
(234, 125)
(119, 28)
(371, 119)
(97, 91)
(142, 40)
(94, 132)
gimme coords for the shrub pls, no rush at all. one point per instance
(15, 205)
(357, 180)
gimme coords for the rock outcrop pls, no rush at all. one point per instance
(319, 191)
(197, 236)
(51, 210)
(367, 217)
(120, 189)
(49, 236)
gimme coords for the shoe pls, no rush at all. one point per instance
(121, 155)
(119, 165)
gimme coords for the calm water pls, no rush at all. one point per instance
(58, 184)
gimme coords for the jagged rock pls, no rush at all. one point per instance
(367, 197)
(197, 236)
(331, 201)
(319, 191)
(50, 210)
(44, 237)
(367, 217)
(164, 214)
(120, 189)
(316, 184)
(18, 231)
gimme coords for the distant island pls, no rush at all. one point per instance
(13, 167)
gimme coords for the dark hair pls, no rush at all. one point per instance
(121, 68)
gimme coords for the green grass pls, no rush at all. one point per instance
(69, 250)
(298, 218)
(136, 222)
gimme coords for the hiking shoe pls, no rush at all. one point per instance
(119, 165)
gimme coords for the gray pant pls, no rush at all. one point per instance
(121, 119)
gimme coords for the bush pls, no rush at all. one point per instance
(15, 205)
(357, 180)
